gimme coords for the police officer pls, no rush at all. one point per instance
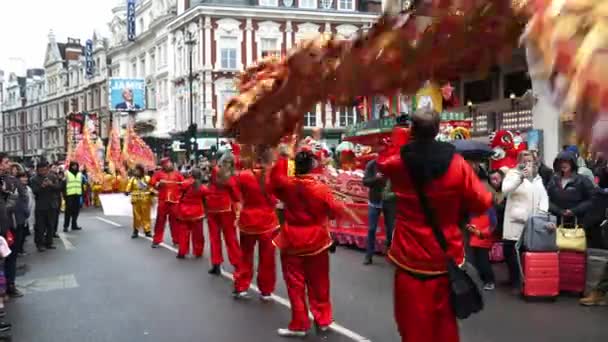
(73, 193)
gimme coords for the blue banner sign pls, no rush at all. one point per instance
(88, 59)
(131, 20)
(127, 94)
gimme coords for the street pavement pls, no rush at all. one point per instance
(101, 285)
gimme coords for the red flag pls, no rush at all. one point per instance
(114, 154)
(85, 155)
(136, 151)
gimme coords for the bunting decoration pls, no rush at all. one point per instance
(114, 157)
(136, 151)
(85, 155)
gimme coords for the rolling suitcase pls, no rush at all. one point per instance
(540, 274)
(572, 271)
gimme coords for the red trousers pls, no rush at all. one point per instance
(223, 224)
(422, 309)
(266, 265)
(166, 209)
(194, 230)
(310, 274)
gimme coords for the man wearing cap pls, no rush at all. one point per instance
(166, 181)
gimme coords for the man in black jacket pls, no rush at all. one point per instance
(381, 200)
(46, 188)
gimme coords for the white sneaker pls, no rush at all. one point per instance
(240, 295)
(489, 287)
(290, 333)
(266, 298)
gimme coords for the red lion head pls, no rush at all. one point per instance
(504, 150)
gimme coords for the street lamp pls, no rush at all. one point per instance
(513, 100)
(470, 106)
(191, 77)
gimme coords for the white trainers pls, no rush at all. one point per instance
(290, 333)
(266, 298)
(240, 295)
(489, 287)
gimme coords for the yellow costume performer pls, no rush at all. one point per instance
(141, 199)
(121, 183)
(96, 190)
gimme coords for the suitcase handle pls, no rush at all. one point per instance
(576, 226)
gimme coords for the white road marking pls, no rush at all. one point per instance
(108, 221)
(280, 300)
(66, 243)
(67, 281)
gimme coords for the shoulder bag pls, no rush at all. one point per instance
(465, 292)
(571, 239)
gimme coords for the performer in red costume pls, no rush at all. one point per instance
(167, 181)
(222, 204)
(257, 223)
(304, 242)
(190, 215)
(421, 294)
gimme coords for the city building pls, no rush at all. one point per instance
(37, 104)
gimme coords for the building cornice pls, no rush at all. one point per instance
(271, 13)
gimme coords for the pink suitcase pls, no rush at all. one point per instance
(497, 252)
(541, 274)
(572, 271)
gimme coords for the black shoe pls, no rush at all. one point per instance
(368, 260)
(50, 247)
(77, 228)
(65, 230)
(215, 270)
(148, 234)
(4, 327)
(135, 234)
(41, 249)
(180, 256)
(155, 245)
(13, 292)
(56, 236)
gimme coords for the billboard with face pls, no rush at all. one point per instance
(127, 94)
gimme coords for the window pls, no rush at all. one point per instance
(133, 68)
(347, 116)
(310, 119)
(346, 5)
(223, 98)
(142, 66)
(228, 53)
(141, 26)
(273, 3)
(178, 63)
(307, 4)
(269, 46)
(327, 4)
(150, 96)
(162, 51)
(152, 62)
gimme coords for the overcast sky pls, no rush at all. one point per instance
(25, 25)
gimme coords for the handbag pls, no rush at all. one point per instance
(465, 292)
(571, 239)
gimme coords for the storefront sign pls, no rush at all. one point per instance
(131, 20)
(88, 58)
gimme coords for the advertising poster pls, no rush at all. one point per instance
(127, 94)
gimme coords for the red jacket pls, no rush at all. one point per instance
(453, 189)
(482, 223)
(308, 205)
(190, 207)
(169, 191)
(257, 214)
(221, 197)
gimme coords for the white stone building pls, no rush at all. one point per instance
(36, 104)
(226, 36)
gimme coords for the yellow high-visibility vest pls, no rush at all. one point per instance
(73, 184)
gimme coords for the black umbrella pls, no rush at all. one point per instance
(473, 149)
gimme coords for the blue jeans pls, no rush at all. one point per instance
(373, 215)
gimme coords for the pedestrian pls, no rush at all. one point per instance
(59, 197)
(380, 202)
(11, 190)
(190, 214)
(570, 193)
(304, 242)
(222, 205)
(599, 294)
(22, 214)
(141, 200)
(526, 196)
(167, 182)
(74, 184)
(257, 224)
(5, 251)
(46, 188)
(429, 168)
